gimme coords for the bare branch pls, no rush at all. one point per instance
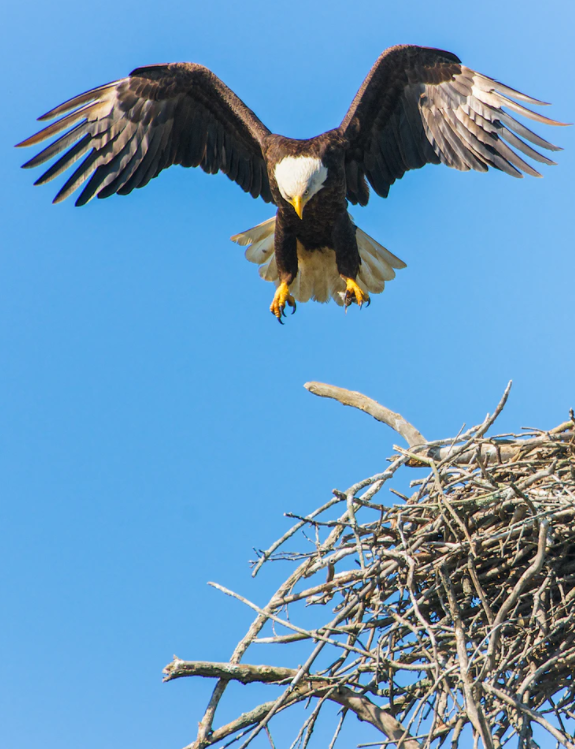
(244, 673)
(382, 720)
(352, 398)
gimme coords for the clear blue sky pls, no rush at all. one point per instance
(154, 426)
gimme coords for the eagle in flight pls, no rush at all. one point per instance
(417, 106)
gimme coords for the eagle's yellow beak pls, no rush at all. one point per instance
(298, 205)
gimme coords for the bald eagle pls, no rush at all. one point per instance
(417, 106)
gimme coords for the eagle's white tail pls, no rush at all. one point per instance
(318, 277)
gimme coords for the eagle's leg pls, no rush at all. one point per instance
(285, 245)
(348, 260)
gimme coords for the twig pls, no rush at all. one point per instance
(294, 529)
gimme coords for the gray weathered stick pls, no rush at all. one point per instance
(352, 398)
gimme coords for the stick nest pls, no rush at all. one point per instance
(475, 582)
(447, 615)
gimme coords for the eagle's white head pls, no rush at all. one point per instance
(299, 178)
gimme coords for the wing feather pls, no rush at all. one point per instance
(79, 176)
(420, 105)
(481, 136)
(138, 178)
(94, 94)
(151, 165)
(524, 148)
(70, 157)
(160, 115)
(412, 143)
(61, 144)
(118, 169)
(84, 113)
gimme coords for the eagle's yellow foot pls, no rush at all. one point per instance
(354, 294)
(281, 297)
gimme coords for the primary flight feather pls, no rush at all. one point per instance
(417, 106)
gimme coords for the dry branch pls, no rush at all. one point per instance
(452, 612)
(357, 400)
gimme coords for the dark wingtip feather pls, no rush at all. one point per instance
(29, 164)
(80, 202)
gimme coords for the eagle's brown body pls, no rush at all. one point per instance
(325, 223)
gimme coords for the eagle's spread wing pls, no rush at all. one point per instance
(421, 106)
(160, 115)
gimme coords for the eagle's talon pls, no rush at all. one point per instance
(281, 298)
(353, 293)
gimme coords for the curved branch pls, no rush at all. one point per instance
(438, 451)
(244, 721)
(357, 400)
(366, 711)
(312, 686)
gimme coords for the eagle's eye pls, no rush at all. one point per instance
(306, 192)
